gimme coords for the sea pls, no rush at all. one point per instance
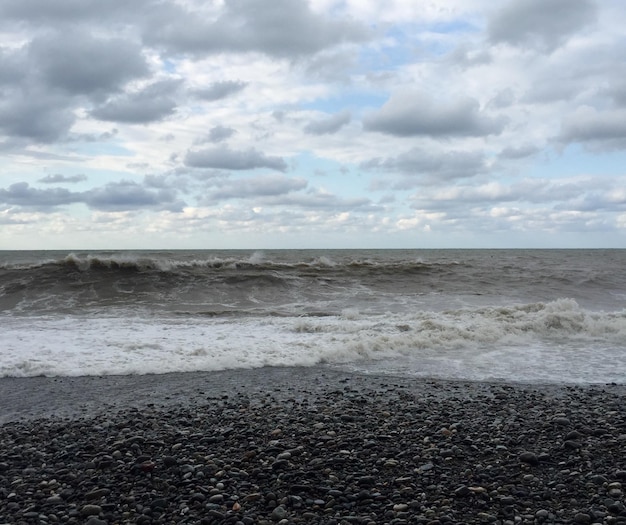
(546, 316)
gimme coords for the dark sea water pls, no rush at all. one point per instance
(525, 315)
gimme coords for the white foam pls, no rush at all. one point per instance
(556, 341)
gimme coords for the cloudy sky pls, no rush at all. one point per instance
(312, 124)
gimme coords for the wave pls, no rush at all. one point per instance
(552, 341)
(299, 282)
(117, 279)
(141, 263)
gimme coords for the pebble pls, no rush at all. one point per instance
(91, 510)
(529, 458)
(379, 452)
(279, 513)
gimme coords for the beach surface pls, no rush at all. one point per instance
(309, 445)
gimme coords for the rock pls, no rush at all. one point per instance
(279, 513)
(158, 503)
(91, 510)
(97, 493)
(95, 521)
(169, 461)
(542, 514)
(529, 458)
(462, 491)
(366, 481)
(381, 464)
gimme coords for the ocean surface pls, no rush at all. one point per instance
(522, 315)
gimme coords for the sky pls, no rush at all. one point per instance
(174, 124)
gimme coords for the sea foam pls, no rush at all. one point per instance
(554, 341)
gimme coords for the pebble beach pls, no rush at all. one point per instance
(317, 445)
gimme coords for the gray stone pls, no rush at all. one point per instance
(279, 513)
(529, 458)
(91, 510)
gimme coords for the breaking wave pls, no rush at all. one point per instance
(555, 341)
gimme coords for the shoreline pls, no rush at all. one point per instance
(320, 445)
(26, 398)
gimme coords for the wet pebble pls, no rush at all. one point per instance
(422, 452)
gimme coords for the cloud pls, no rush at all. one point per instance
(281, 28)
(577, 194)
(421, 166)
(261, 186)
(115, 196)
(519, 152)
(227, 159)
(22, 194)
(35, 114)
(80, 63)
(597, 129)
(328, 125)
(220, 90)
(617, 89)
(59, 71)
(59, 178)
(152, 103)
(411, 113)
(125, 195)
(218, 134)
(69, 12)
(544, 24)
(318, 199)
(240, 105)
(11, 66)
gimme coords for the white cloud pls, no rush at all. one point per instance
(467, 121)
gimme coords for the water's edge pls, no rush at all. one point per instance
(93, 396)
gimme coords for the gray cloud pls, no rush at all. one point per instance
(409, 114)
(545, 24)
(281, 28)
(503, 99)
(59, 178)
(332, 66)
(151, 104)
(227, 159)
(261, 186)
(57, 70)
(424, 167)
(315, 199)
(11, 66)
(35, 114)
(125, 195)
(328, 125)
(465, 57)
(219, 133)
(80, 63)
(115, 196)
(617, 89)
(518, 152)
(61, 12)
(567, 195)
(22, 194)
(220, 90)
(598, 129)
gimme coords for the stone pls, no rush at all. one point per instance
(529, 458)
(91, 510)
(279, 513)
